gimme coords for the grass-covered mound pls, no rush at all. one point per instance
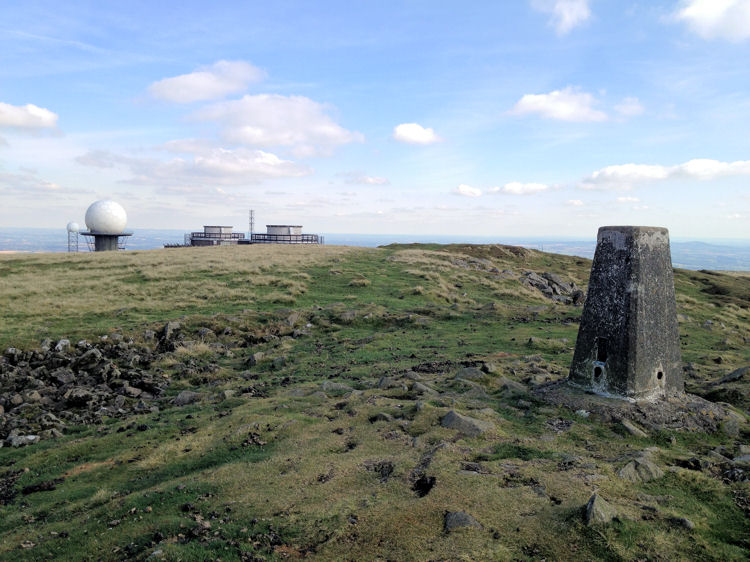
(349, 404)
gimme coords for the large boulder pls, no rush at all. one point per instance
(598, 511)
(465, 424)
(641, 469)
(187, 397)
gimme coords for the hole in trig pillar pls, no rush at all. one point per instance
(660, 375)
(597, 372)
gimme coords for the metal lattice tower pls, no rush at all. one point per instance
(72, 241)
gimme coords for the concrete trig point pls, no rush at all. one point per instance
(628, 343)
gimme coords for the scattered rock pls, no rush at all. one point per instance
(470, 373)
(735, 375)
(599, 511)
(186, 397)
(384, 468)
(511, 387)
(632, 429)
(45, 486)
(466, 425)
(459, 519)
(683, 522)
(423, 389)
(330, 386)
(641, 469)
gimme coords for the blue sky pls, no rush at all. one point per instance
(513, 118)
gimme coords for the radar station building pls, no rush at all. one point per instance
(285, 234)
(214, 235)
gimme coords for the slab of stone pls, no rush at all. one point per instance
(423, 389)
(187, 397)
(599, 511)
(470, 373)
(459, 519)
(642, 469)
(465, 424)
(735, 375)
(632, 429)
(331, 386)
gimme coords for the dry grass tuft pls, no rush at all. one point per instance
(359, 282)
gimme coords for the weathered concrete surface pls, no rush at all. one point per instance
(628, 343)
(683, 411)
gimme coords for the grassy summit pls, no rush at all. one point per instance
(323, 374)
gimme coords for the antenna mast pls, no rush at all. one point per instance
(252, 223)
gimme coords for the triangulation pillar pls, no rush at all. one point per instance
(628, 344)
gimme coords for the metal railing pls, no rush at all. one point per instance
(285, 239)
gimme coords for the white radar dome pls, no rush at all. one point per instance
(73, 227)
(106, 216)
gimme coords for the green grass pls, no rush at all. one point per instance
(308, 491)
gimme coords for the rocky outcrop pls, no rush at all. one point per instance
(553, 287)
(45, 390)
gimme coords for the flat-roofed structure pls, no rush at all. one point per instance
(285, 234)
(215, 235)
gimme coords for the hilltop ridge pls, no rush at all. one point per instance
(348, 403)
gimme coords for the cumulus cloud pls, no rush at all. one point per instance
(468, 191)
(207, 82)
(629, 107)
(569, 104)
(628, 200)
(267, 120)
(355, 178)
(414, 133)
(574, 203)
(27, 116)
(214, 166)
(717, 19)
(518, 188)
(625, 176)
(27, 183)
(564, 14)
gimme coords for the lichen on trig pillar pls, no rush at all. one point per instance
(628, 344)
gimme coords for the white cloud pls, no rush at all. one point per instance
(210, 167)
(468, 191)
(625, 176)
(628, 200)
(414, 133)
(362, 179)
(568, 104)
(207, 82)
(717, 19)
(267, 120)
(27, 116)
(564, 14)
(629, 107)
(518, 188)
(27, 183)
(574, 203)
